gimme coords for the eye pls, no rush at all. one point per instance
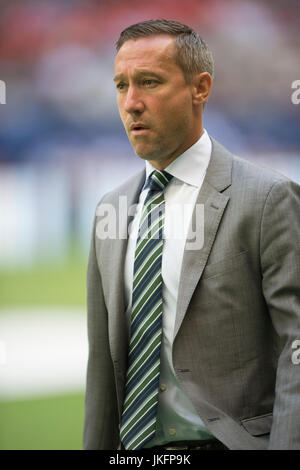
(149, 82)
(120, 86)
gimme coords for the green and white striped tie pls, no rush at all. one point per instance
(141, 397)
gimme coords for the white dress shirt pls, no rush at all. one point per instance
(177, 420)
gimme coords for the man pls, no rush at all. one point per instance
(191, 337)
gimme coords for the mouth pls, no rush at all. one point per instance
(138, 129)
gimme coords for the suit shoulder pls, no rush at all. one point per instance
(255, 175)
(241, 173)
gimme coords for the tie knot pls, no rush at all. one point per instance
(158, 180)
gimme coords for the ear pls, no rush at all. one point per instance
(201, 86)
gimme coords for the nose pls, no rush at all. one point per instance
(133, 101)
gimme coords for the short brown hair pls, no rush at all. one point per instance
(193, 55)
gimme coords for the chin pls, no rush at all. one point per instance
(145, 155)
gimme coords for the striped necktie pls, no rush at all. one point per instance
(141, 397)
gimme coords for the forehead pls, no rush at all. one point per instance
(153, 52)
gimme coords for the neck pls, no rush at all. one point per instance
(161, 164)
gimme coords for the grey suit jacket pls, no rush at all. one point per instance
(237, 317)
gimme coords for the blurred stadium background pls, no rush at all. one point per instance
(62, 147)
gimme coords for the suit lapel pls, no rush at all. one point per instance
(115, 249)
(217, 179)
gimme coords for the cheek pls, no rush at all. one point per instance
(121, 112)
(120, 107)
(175, 120)
(124, 118)
(173, 109)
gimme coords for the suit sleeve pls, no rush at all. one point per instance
(101, 412)
(280, 263)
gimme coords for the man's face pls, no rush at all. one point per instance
(154, 100)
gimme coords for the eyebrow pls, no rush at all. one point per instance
(141, 73)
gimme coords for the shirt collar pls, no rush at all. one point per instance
(189, 167)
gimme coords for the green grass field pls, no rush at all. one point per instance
(54, 422)
(42, 423)
(45, 284)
